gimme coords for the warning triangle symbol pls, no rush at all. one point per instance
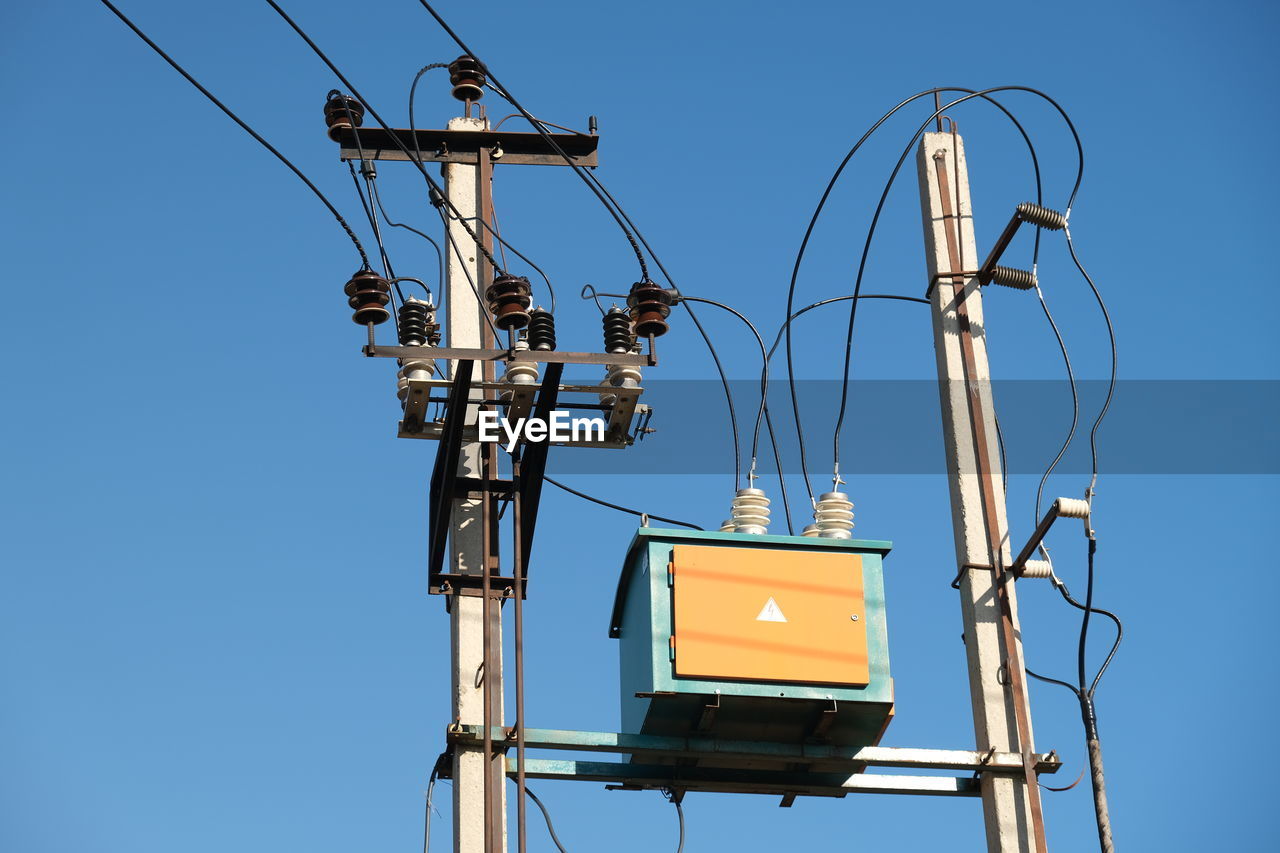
(771, 612)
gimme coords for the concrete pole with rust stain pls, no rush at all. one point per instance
(997, 679)
(467, 272)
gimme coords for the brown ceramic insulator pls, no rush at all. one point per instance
(650, 305)
(467, 76)
(336, 114)
(509, 301)
(367, 294)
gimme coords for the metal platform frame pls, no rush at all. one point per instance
(809, 769)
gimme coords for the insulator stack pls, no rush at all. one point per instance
(833, 516)
(1042, 216)
(726, 526)
(509, 301)
(750, 512)
(367, 294)
(418, 326)
(810, 530)
(542, 331)
(467, 76)
(650, 305)
(339, 113)
(617, 330)
(1037, 569)
(1015, 278)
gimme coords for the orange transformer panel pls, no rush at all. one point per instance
(760, 614)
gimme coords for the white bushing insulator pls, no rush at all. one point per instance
(750, 512)
(1037, 569)
(726, 526)
(416, 368)
(1072, 507)
(833, 516)
(810, 530)
(519, 372)
(619, 376)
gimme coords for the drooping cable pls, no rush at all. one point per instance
(762, 414)
(496, 233)
(413, 130)
(391, 134)
(866, 249)
(364, 258)
(620, 215)
(546, 816)
(627, 510)
(426, 821)
(377, 200)
(497, 86)
(675, 801)
(791, 288)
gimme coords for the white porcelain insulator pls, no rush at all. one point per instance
(726, 526)
(619, 376)
(1072, 507)
(412, 369)
(1037, 569)
(810, 530)
(750, 512)
(833, 516)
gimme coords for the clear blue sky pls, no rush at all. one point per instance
(214, 632)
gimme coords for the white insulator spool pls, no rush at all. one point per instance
(519, 372)
(1037, 569)
(833, 516)
(726, 526)
(810, 530)
(619, 376)
(412, 369)
(1072, 507)
(750, 512)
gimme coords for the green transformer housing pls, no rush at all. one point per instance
(761, 638)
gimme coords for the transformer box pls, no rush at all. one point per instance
(731, 636)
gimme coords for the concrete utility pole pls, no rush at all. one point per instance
(468, 188)
(997, 679)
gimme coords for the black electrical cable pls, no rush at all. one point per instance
(391, 134)
(364, 258)
(546, 816)
(884, 196)
(497, 235)
(413, 130)
(377, 199)
(604, 503)
(620, 216)
(589, 292)
(426, 822)
(1111, 336)
(822, 203)
(763, 413)
(1088, 710)
(387, 270)
(823, 302)
(444, 221)
(497, 86)
(671, 798)
(369, 174)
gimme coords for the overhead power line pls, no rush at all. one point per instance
(364, 258)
